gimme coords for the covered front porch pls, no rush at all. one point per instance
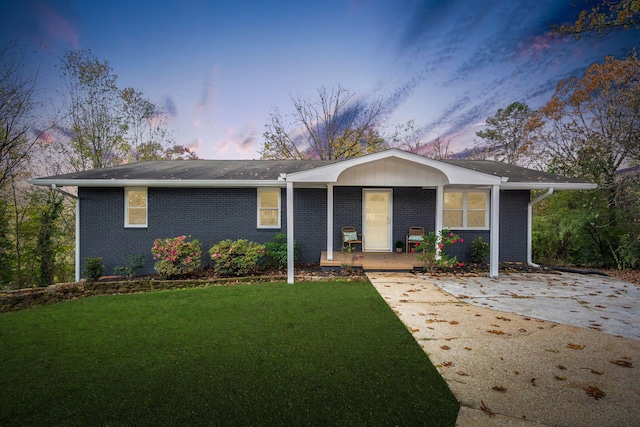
(382, 195)
(372, 261)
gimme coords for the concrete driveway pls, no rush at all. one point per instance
(527, 349)
(597, 302)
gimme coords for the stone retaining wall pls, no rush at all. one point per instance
(33, 297)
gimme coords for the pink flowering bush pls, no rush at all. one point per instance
(235, 257)
(431, 250)
(176, 256)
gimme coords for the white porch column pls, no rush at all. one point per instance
(329, 222)
(494, 245)
(439, 214)
(290, 239)
(439, 207)
(77, 239)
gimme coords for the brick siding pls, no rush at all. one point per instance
(211, 215)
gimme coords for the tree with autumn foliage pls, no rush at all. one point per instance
(602, 18)
(591, 131)
(593, 122)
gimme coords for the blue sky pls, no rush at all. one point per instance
(221, 67)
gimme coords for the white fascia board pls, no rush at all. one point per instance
(455, 174)
(195, 183)
(546, 185)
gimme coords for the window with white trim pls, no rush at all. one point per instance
(135, 207)
(466, 209)
(269, 208)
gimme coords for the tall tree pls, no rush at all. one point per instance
(96, 123)
(407, 136)
(508, 134)
(591, 130)
(50, 210)
(17, 118)
(601, 18)
(107, 125)
(337, 125)
(146, 132)
(593, 122)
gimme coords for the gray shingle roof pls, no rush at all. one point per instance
(270, 170)
(198, 170)
(513, 172)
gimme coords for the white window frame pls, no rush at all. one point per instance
(279, 208)
(126, 207)
(465, 209)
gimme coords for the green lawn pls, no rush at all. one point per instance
(268, 354)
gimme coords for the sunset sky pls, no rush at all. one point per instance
(219, 68)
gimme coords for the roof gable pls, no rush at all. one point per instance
(446, 173)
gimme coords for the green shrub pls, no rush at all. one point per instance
(236, 258)
(479, 250)
(176, 256)
(275, 251)
(628, 253)
(134, 263)
(93, 268)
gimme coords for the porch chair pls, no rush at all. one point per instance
(351, 237)
(415, 235)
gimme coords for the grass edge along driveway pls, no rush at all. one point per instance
(317, 353)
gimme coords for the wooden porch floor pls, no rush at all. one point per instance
(373, 261)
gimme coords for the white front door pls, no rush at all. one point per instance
(377, 220)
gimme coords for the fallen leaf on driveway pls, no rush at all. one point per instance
(493, 331)
(595, 392)
(453, 322)
(593, 371)
(575, 346)
(445, 347)
(486, 409)
(499, 388)
(623, 363)
(506, 319)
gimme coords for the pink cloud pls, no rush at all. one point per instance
(537, 44)
(195, 145)
(53, 27)
(45, 137)
(243, 141)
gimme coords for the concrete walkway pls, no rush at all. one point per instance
(527, 369)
